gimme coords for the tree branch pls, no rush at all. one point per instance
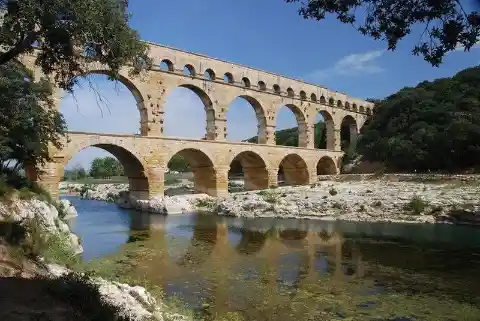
(21, 47)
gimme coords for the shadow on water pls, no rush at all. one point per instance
(269, 269)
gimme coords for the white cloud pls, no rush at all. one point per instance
(352, 65)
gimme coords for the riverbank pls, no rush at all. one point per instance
(389, 198)
(36, 245)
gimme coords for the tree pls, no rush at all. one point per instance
(76, 173)
(178, 163)
(68, 35)
(105, 167)
(28, 120)
(434, 126)
(445, 24)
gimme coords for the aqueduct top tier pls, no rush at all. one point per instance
(219, 82)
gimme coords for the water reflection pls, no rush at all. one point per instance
(267, 269)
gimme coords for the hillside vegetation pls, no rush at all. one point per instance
(432, 127)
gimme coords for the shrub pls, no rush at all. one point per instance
(205, 203)
(25, 193)
(269, 196)
(362, 208)
(416, 205)
(333, 191)
(337, 205)
(377, 203)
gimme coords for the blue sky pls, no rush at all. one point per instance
(266, 34)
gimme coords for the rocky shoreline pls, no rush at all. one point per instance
(364, 199)
(132, 303)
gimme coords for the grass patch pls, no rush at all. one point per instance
(205, 203)
(416, 206)
(269, 196)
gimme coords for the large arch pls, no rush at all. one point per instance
(139, 98)
(326, 166)
(254, 169)
(295, 170)
(208, 107)
(259, 116)
(203, 170)
(348, 133)
(133, 166)
(324, 131)
(301, 124)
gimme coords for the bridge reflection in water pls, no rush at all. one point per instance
(226, 262)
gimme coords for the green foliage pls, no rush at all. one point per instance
(74, 174)
(205, 203)
(446, 24)
(416, 206)
(28, 119)
(63, 30)
(269, 196)
(434, 126)
(105, 167)
(12, 179)
(179, 163)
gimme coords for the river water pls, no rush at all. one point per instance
(270, 269)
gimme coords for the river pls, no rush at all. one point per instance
(270, 269)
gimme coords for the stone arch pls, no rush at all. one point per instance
(301, 122)
(368, 111)
(246, 82)
(326, 166)
(354, 107)
(262, 86)
(189, 70)
(145, 116)
(228, 78)
(323, 100)
(347, 105)
(339, 103)
(209, 74)
(277, 89)
(348, 132)
(313, 97)
(327, 137)
(208, 107)
(261, 118)
(167, 65)
(331, 101)
(303, 95)
(203, 169)
(290, 92)
(295, 170)
(361, 109)
(254, 168)
(133, 164)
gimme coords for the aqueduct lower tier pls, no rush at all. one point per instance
(145, 159)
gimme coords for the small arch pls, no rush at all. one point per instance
(262, 85)
(361, 109)
(300, 139)
(189, 70)
(323, 100)
(209, 74)
(166, 65)
(276, 89)
(369, 111)
(295, 170)
(246, 82)
(354, 107)
(290, 92)
(326, 166)
(203, 170)
(254, 170)
(313, 97)
(228, 78)
(347, 105)
(331, 101)
(242, 121)
(339, 103)
(303, 95)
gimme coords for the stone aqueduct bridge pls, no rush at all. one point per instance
(217, 83)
